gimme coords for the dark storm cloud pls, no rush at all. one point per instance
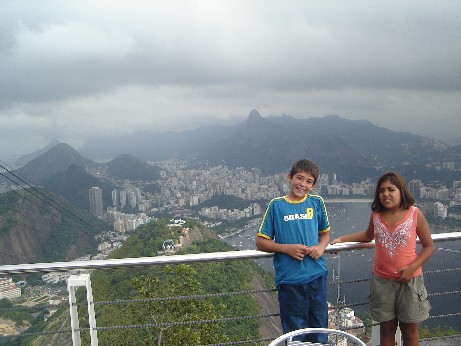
(70, 69)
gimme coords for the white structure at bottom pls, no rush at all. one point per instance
(73, 283)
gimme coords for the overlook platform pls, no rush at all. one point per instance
(73, 326)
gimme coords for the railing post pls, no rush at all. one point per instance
(375, 335)
(71, 288)
(73, 283)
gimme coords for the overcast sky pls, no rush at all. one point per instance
(75, 69)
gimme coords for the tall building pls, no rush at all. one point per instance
(96, 205)
(114, 197)
(334, 181)
(440, 210)
(415, 187)
(122, 198)
(132, 200)
(138, 194)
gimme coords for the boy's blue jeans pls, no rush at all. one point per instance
(305, 306)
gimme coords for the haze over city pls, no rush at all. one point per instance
(75, 70)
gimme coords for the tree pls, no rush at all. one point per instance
(180, 281)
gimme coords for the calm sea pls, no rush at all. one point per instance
(354, 265)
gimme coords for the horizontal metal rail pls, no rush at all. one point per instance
(204, 257)
(178, 259)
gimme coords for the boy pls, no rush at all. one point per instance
(295, 227)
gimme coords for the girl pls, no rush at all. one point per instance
(397, 292)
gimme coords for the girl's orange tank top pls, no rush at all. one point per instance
(395, 247)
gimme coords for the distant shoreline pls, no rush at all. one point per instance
(347, 200)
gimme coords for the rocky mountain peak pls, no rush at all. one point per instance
(255, 125)
(254, 116)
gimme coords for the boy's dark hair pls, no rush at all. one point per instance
(406, 198)
(305, 166)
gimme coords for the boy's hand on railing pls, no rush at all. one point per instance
(315, 251)
(297, 251)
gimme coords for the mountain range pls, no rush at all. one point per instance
(353, 149)
(64, 171)
(49, 219)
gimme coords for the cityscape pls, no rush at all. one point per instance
(182, 192)
(183, 189)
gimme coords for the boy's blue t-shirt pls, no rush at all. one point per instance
(296, 222)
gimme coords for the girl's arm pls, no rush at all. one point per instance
(424, 235)
(362, 236)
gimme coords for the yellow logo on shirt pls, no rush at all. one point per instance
(309, 215)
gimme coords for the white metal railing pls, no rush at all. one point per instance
(84, 279)
(176, 259)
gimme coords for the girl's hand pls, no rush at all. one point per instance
(336, 240)
(406, 274)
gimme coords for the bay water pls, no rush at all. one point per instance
(354, 268)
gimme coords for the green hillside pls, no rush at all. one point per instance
(160, 282)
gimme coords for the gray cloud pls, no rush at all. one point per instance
(75, 69)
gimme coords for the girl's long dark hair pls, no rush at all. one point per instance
(406, 198)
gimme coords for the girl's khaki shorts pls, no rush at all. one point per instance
(392, 299)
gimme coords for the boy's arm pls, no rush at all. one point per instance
(297, 251)
(318, 250)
